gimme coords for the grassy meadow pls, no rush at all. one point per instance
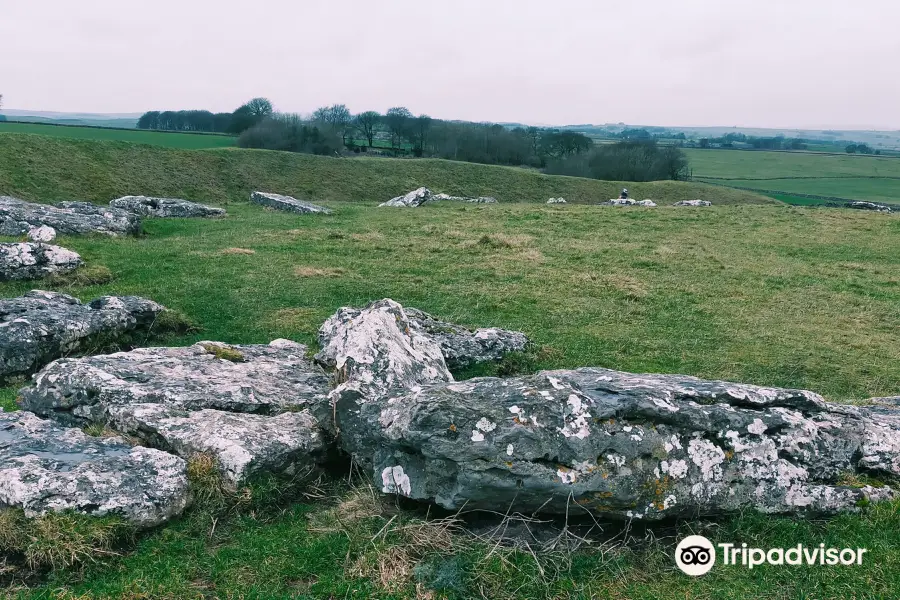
(766, 294)
(186, 141)
(851, 176)
(47, 169)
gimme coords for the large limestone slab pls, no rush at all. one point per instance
(165, 207)
(470, 200)
(243, 444)
(40, 326)
(18, 217)
(413, 199)
(28, 260)
(251, 407)
(262, 379)
(287, 203)
(46, 468)
(619, 445)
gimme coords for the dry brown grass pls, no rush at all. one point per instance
(236, 251)
(367, 236)
(306, 271)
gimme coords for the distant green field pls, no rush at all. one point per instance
(844, 176)
(186, 141)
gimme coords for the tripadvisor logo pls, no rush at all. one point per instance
(695, 555)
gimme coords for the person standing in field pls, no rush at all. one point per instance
(624, 194)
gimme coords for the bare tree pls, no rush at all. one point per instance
(336, 116)
(367, 123)
(420, 128)
(398, 120)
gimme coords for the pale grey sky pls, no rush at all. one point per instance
(783, 63)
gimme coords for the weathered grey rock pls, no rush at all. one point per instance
(165, 207)
(18, 217)
(478, 200)
(251, 407)
(693, 203)
(32, 261)
(41, 326)
(286, 203)
(379, 347)
(411, 200)
(870, 206)
(243, 444)
(42, 234)
(556, 201)
(463, 347)
(47, 468)
(619, 445)
(262, 379)
(628, 202)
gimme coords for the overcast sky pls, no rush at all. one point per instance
(781, 63)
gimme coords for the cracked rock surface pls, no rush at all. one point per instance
(165, 207)
(255, 408)
(18, 217)
(45, 467)
(33, 261)
(287, 203)
(413, 199)
(616, 444)
(40, 326)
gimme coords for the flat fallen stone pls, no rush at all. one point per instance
(165, 207)
(47, 468)
(261, 379)
(42, 234)
(29, 260)
(870, 206)
(619, 445)
(18, 217)
(243, 444)
(556, 201)
(463, 347)
(478, 200)
(40, 326)
(693, 203)
(287, 203)
(414, 199)
(628, 202)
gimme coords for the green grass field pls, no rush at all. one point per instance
(760, 293)
(46, 168)
(765, 294)
(185, 141)
(853, 177)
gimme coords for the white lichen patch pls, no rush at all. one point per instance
(708, 457)
(484, 425)
(509, 450)
(477, 436)
(677, 468)
(395, 481)
(669, 502)
(577, 419)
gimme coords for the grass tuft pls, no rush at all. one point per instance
(224, 352)
(82, 277)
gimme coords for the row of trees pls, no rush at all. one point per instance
(243, 118)
(630, 160)
(333, 129)
(401, 132)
